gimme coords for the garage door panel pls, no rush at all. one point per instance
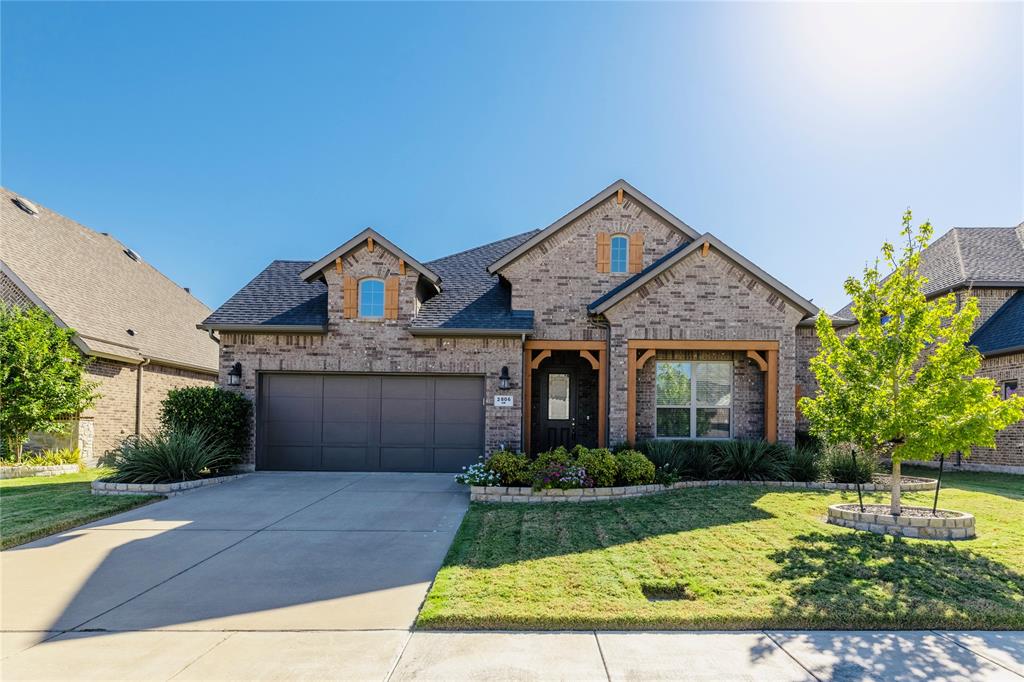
(349, 459)
(347, 433)
(459, 435)
(294, 385)
(467, 388)
(292, 458)
(453, 459)
(404, 387)
(350, 386)
(348, 409)
(458, 411)
(404, 409)
(291, 433)
(293, 409)
(404, 434)
(406, 459)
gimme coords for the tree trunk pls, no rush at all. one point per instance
(894, 508)
(856, 478)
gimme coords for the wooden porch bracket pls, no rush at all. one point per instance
(759, 359)
(764, 353)
(595, 352)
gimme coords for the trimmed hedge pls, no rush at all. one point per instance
(222, 415)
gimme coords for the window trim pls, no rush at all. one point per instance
(1007, 390)
(359, 298)
(611, 254)
(693, 406)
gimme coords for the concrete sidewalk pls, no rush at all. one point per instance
(402, 655)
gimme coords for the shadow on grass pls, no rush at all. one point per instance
(1010, 486)
(496, 535)
(863, 580)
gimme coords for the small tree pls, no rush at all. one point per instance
(903, 381)
(41, 375)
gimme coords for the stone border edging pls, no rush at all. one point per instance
(165, 489)
(26, 471)
(480, 493)
(930, 528)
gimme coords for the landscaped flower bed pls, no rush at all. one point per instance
(167, 489)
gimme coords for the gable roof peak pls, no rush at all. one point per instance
(583, 208)
(313, 271)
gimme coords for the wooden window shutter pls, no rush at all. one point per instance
(604, 252)
(350, 299)
(636, 251)
(391, 298)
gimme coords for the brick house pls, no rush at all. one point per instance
(617, 322)
(987, 263)
(137, 326)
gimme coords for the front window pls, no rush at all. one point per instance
(693, 399)
(1010, 389)
(371, 298)
(620, 253)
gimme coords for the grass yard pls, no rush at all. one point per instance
(743, 557)
(34, 507)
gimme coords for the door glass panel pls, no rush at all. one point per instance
(558, 396)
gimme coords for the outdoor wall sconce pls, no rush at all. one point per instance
(504, 381)
(235, 374)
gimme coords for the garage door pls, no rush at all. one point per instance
(333, 422)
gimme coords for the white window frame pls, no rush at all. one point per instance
(611, 254)
(693, 406)
(359, 298)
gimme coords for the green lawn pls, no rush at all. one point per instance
(746, 557)
(34, 507)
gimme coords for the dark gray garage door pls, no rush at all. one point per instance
(336, 422)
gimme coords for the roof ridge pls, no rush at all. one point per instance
(959, 252)
(483, 246)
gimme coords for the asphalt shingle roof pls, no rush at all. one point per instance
(276, 296)
(88, 281)
(1004, 330)
(626, 284)
(971, 256)
(470, 298)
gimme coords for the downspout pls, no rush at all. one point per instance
(138, 397)
(524, 446)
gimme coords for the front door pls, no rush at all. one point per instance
(559, 396)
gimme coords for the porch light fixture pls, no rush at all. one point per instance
(504, 381)
(235, 374)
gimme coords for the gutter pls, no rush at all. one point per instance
(470, 331)
(265, 328)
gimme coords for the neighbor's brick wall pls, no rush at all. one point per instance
(558, 278)
(806, 348)
(157, 380)
(704, 298)
(354, 345)
(1009, 451)
(11, 294)
(747, 392)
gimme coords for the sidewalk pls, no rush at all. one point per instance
(450, 656)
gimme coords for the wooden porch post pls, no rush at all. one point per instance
(631, 394)
(602, 398)
(771, 397)
(527, 397)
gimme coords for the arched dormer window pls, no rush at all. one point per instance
(620, 253)
(371, 298)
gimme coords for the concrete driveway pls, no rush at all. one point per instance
(327, 552)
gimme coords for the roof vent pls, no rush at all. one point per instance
(131, 254)
(187, 290)
(26, 206)
(131, 332)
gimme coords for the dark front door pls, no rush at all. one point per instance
(336, 422)
(559, 390)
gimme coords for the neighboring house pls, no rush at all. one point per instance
(137, 326)
(987, 263)
(616, 323)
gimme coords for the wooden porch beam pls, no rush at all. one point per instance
(702, 344)
(541, 344)
(644, 357)
(759, 359)
(589, 357)
(539, 358)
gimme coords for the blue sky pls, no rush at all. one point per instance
(214, 138)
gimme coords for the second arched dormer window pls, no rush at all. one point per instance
(620, 253)
(371, 298)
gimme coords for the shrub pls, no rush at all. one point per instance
(222, 415)
(751, 460)
(698, 459)
(49, 458)
(600, 465)
(478, 474)
(663, 453)
(544, 459)
(803, 463)
(512, 468)
(634, 468)
(169, 457)
(840, 467)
